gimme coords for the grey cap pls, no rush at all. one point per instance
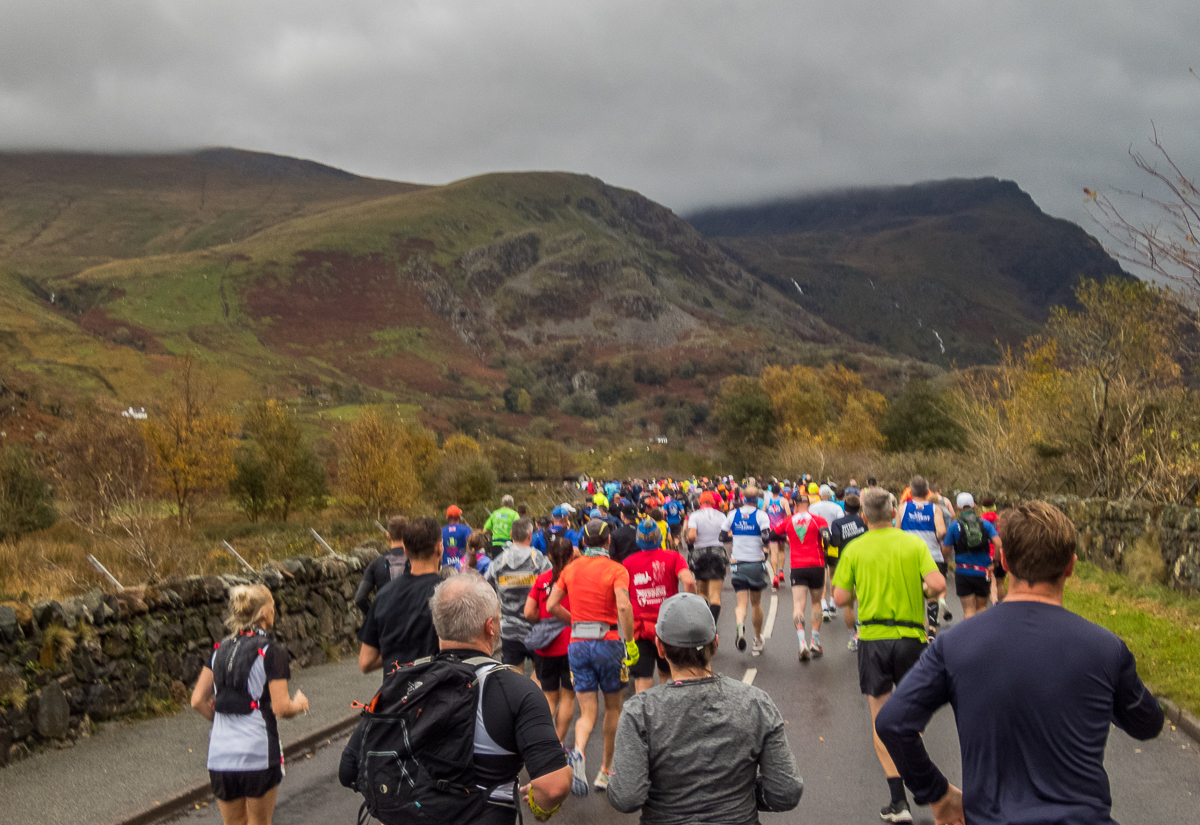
(684, 620)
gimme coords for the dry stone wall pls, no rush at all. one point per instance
(67, 665)
(1163, 540)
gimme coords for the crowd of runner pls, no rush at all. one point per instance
(622, 583)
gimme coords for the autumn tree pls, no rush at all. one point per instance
(828, 406)
(191, 443)
(277, 468)
(383, 461)
(747, 421)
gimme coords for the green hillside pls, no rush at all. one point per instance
(974, 261)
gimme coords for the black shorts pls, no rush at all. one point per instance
(514, 652)
(676, 530)
(882, 663)
(811, 577)
(999, 572)
(554, 672)
(972, 586)
(943, 568)
(831, 563)
(647, 656)
(708, 564)
(228, 786)
(750, 575)
(775, 537)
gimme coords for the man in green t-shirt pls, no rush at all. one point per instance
(500, 523)
(891, 573)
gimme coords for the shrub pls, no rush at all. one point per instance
(465, 480)
(26, 502)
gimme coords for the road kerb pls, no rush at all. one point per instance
(1182, 719)
(190, 797)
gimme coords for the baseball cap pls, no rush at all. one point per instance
(965, 500)
(567, 507)
(706, 499)
(595, 532)
(649, 537)
(595, 513)
(684, 620)
(559, 512)
(453, 510)
(824, 490)
(813, 489)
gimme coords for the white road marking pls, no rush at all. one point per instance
(750, 674)
(770, 623)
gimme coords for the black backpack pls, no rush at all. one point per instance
(971, 535)
(232, 665)
(416, 757)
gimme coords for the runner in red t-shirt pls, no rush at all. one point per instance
(654, 575)
(807, 536)
(551, 662)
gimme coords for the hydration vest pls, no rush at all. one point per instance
(239, 676)
(396, 562)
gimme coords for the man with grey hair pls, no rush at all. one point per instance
(890, 572)
(499, 523)
(513, 573)
(514, 728)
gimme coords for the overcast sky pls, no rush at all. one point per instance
(691, 103)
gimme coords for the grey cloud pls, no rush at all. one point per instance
(691, 103)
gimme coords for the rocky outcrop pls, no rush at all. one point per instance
(96, 657)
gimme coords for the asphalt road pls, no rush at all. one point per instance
(830, 734)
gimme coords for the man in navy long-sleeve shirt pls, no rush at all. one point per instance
(1033, 687)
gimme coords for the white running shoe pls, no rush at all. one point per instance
(740, 640)
(803, 652)
(756, 649)
(579, 783)
(601, 783)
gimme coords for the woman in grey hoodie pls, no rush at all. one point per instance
(701, 747)
(513, 573)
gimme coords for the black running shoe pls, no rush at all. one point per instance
(896, 812)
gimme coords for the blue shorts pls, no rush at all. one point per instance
(598, 664)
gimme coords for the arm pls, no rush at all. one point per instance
(842, 597)
(939, 522)
(903, 718)
(203, 696)
(554, 605)
(531, 610)
(629, 781)
(362, 597)
(691, 533)
(624, 613)
(779, 782)
(687, 581)
(1135, 710)
(284, 707)
(935, 584)
(369, 659)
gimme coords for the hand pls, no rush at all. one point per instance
(301, 701)
(949, 809)
(632, 654)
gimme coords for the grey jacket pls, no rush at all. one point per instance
(707, 750)
(512, 573)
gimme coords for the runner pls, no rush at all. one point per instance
(707, 557)
(924, 520)
(599, 596)
(943, 504)
(999, 574)
(654, 574)
(887, 570)
(841, 533)
(624, 538)
(560, 524)
(806, 534)
(499, 524)
(384, 567)
(749, 527)
(828, 509)
(512, 574)
(777, 509)
(399, 627)
(972, 539)
(674, 510)
(454, 539)
(552, 663)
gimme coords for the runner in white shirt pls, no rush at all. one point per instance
(707, 557)
(749, 527)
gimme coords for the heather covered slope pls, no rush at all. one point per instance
(971, 261)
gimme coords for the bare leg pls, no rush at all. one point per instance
(589, 707)
(261, 810)
(565, 713)
(233, 813)
(885, 759)
(612, 715)
(799, 595)
(756, 615)
(739, 612)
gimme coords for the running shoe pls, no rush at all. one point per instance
(946, 614)
(803, 652)
(601, 783)
(740, 641)
(775, 583)
(579, 783)
(815, 649)
(826, 615)
(757, 648)
(896, 812)
(852, 645)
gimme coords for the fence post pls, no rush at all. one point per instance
(321, 541)
(238, 556)
(102, 569)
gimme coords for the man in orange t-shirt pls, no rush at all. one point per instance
(598, 588)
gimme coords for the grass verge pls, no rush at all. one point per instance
(1160, 626)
